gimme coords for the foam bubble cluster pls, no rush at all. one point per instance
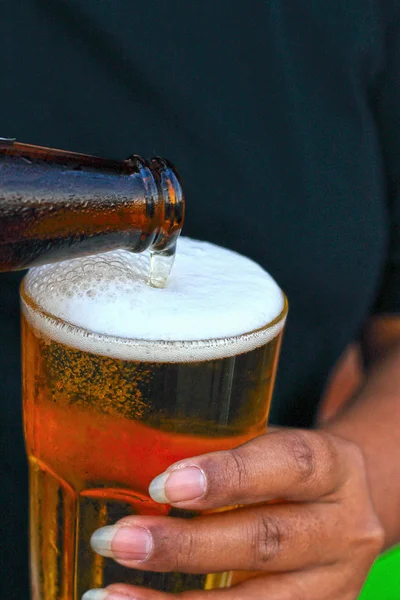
(213, 305)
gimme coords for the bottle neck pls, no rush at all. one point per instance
(56, 205)
(163, 190)
(160, 185)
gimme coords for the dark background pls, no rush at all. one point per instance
(281, 119)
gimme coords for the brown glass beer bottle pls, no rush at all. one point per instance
(56, 205)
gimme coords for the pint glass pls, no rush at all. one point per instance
(120, 381)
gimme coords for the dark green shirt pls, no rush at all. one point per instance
(283, 118)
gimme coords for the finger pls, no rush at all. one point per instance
(318, 584)
(260, 538)
(289, 464)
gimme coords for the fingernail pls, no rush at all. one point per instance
(122, 543)
(100, 594)
(180, 485)
(95, 595)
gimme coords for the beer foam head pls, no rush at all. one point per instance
(216, 303)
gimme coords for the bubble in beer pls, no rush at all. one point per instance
(216, 303)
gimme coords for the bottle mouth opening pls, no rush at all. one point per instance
(163, 187)
(170, 190)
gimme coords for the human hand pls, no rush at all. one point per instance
(317, 543)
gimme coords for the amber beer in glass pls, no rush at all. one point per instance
(119, 383)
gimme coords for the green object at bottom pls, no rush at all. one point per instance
(383, 582)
